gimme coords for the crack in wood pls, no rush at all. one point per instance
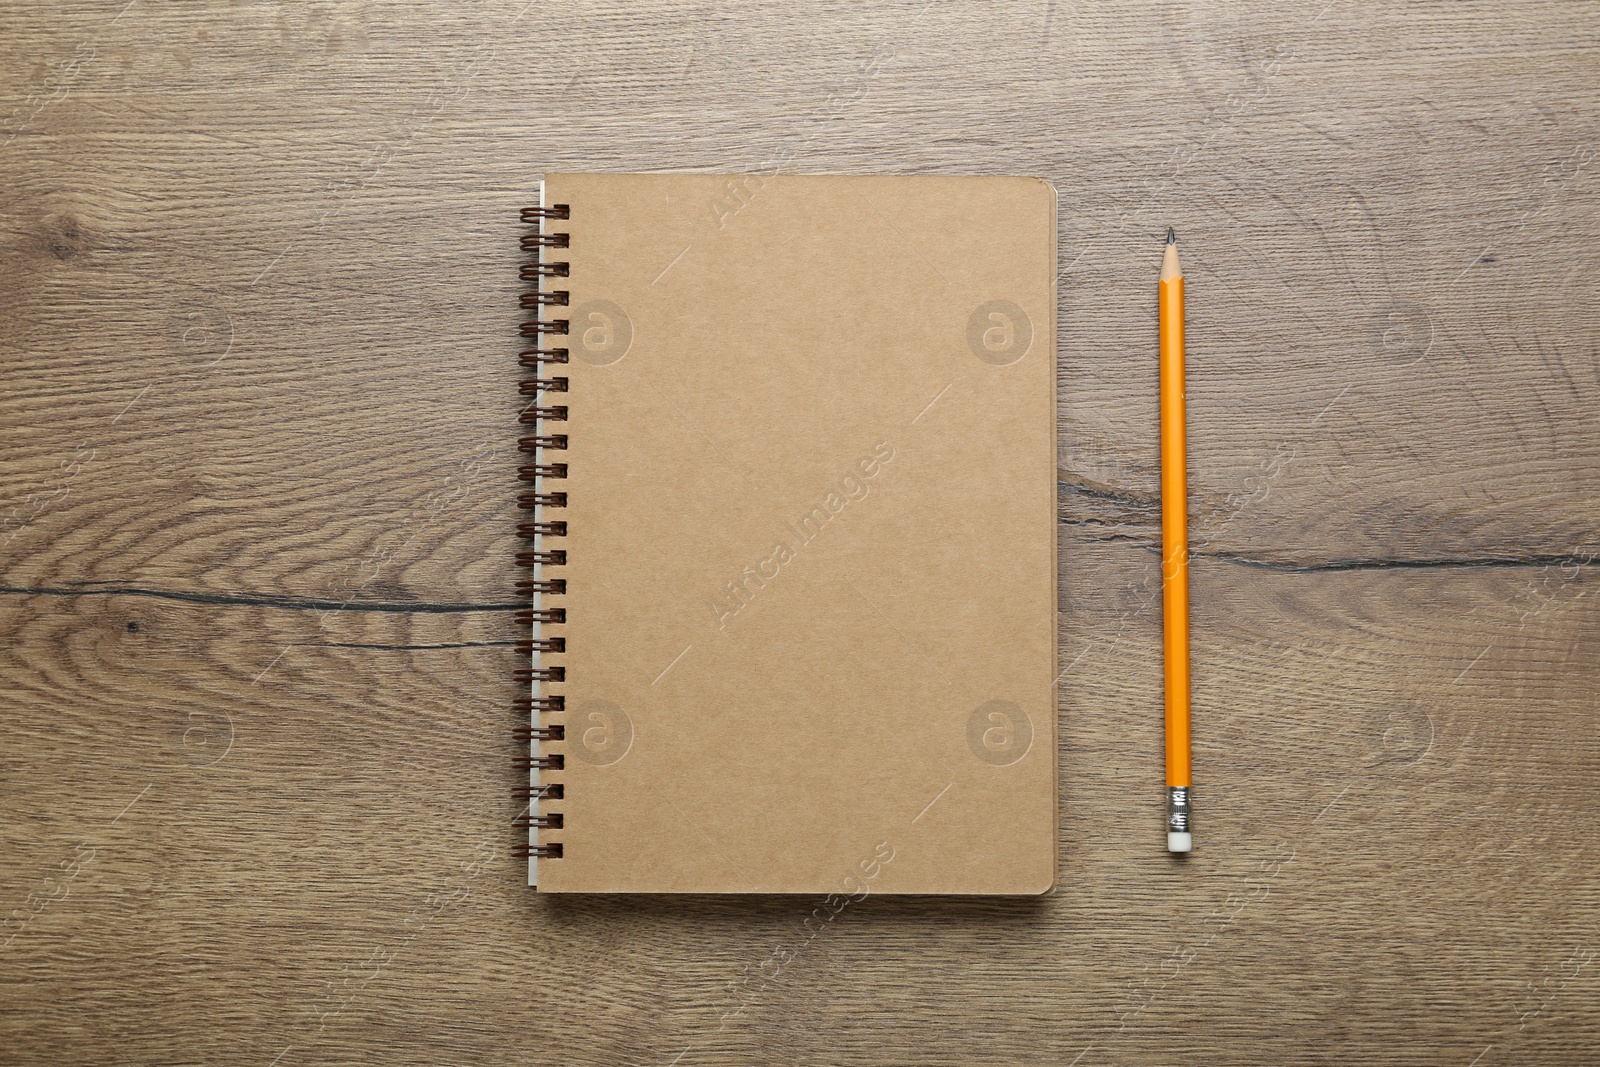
(268, 600)
(1290, 566)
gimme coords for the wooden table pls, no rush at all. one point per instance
(258, 419)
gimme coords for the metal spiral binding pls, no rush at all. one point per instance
(540, 556)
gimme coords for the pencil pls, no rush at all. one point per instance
(1175, 551)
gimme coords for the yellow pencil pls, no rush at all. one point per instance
(1175, 551)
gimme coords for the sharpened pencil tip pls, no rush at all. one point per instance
(1172, 238)
(1170, 267)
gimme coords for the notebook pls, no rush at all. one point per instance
(790, 526)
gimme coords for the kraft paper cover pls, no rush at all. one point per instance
(811, 551)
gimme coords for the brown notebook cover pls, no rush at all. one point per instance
(793, 534)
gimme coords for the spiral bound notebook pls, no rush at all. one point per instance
(791, 534)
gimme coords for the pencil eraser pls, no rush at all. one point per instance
(1180, 842)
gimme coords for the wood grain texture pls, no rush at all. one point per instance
(256, 476)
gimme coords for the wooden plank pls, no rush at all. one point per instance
(1370, 774)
